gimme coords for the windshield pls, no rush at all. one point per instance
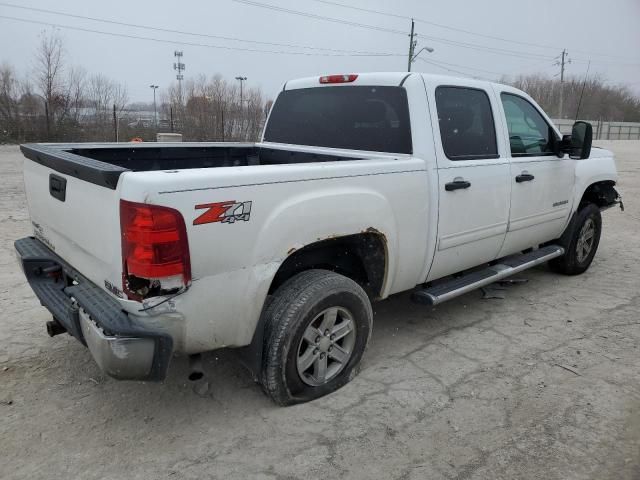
(355, 117)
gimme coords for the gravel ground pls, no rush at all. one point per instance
(543, 384)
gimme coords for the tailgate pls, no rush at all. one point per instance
(76, 218)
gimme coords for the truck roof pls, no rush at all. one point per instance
(381, 78)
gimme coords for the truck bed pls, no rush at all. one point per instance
(102, 164)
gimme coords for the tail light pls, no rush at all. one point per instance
(154, 244)
(338, 78)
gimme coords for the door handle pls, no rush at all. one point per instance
(524, 177)
(457, 184)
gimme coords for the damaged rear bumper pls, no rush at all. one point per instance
(121, 347)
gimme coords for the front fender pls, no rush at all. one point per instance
(600, 166)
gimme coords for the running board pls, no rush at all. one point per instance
(508, 266)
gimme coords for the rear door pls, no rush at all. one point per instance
(473, 178)
(541, 183)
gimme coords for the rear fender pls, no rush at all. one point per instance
(311, 217)
(315, 220)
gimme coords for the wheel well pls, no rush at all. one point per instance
(601, 194)
(361, 257)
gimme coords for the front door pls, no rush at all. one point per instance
(541, 183)
(473, 180)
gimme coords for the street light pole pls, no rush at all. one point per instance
(413, 43)
(155, 110)
(242, 79)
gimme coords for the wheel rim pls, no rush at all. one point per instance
(586, 239)
(326, 346)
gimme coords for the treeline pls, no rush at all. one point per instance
(214, 109)
(60, 102)
(57, 102)
(600, 101)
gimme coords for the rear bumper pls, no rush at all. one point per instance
(121, 347)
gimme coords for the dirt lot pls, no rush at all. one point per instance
(543, 384)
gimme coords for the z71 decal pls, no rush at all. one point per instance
(224, 212)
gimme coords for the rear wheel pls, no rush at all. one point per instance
(317, 327)
(580, 241)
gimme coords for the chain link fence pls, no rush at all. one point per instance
(605, 130)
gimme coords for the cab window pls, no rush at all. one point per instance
(466, 123)
(529, 133)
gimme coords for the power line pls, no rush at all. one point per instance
(320, 17)
(606, 62)
(457, 29)
(466, 67)
(534, 65)
(440, 25)
(314, 16)
(495, 50)
(194, 44)
(180, 32)
(444, 67)
(447, 65)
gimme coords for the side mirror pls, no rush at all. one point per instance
(562, 146)
(581, 137)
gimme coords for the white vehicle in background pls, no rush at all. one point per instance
(364, 185)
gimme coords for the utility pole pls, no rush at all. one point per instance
(222, 121)
(46, 115)
(242, 80)
(564, 60)
(155, 110)
(115, 124)
(412, 47)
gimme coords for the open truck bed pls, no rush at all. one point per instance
(103, 163)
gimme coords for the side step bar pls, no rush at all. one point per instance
(508, 266)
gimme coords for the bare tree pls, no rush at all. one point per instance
(9, 102)
(600, 101)
(103, 95)
(48, 74)
(75, 94)
(212, 110)
(65, 103)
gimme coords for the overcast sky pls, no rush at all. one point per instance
(531, 34)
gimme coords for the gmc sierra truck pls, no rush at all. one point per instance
(362, 186)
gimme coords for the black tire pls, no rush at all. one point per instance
(573, 262)
(296, 307)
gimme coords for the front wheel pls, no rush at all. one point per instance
(580, 242)
(317, 327)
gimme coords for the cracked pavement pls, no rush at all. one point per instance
(541, 384)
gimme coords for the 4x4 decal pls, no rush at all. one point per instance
(224, 212)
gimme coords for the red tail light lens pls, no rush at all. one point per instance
(338, 78)
(154, 242)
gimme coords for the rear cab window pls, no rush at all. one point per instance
(370, 118)
(467, 127)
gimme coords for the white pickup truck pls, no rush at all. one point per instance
(363, 185)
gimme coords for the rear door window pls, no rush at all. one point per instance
(466, 122)
(373, 118)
